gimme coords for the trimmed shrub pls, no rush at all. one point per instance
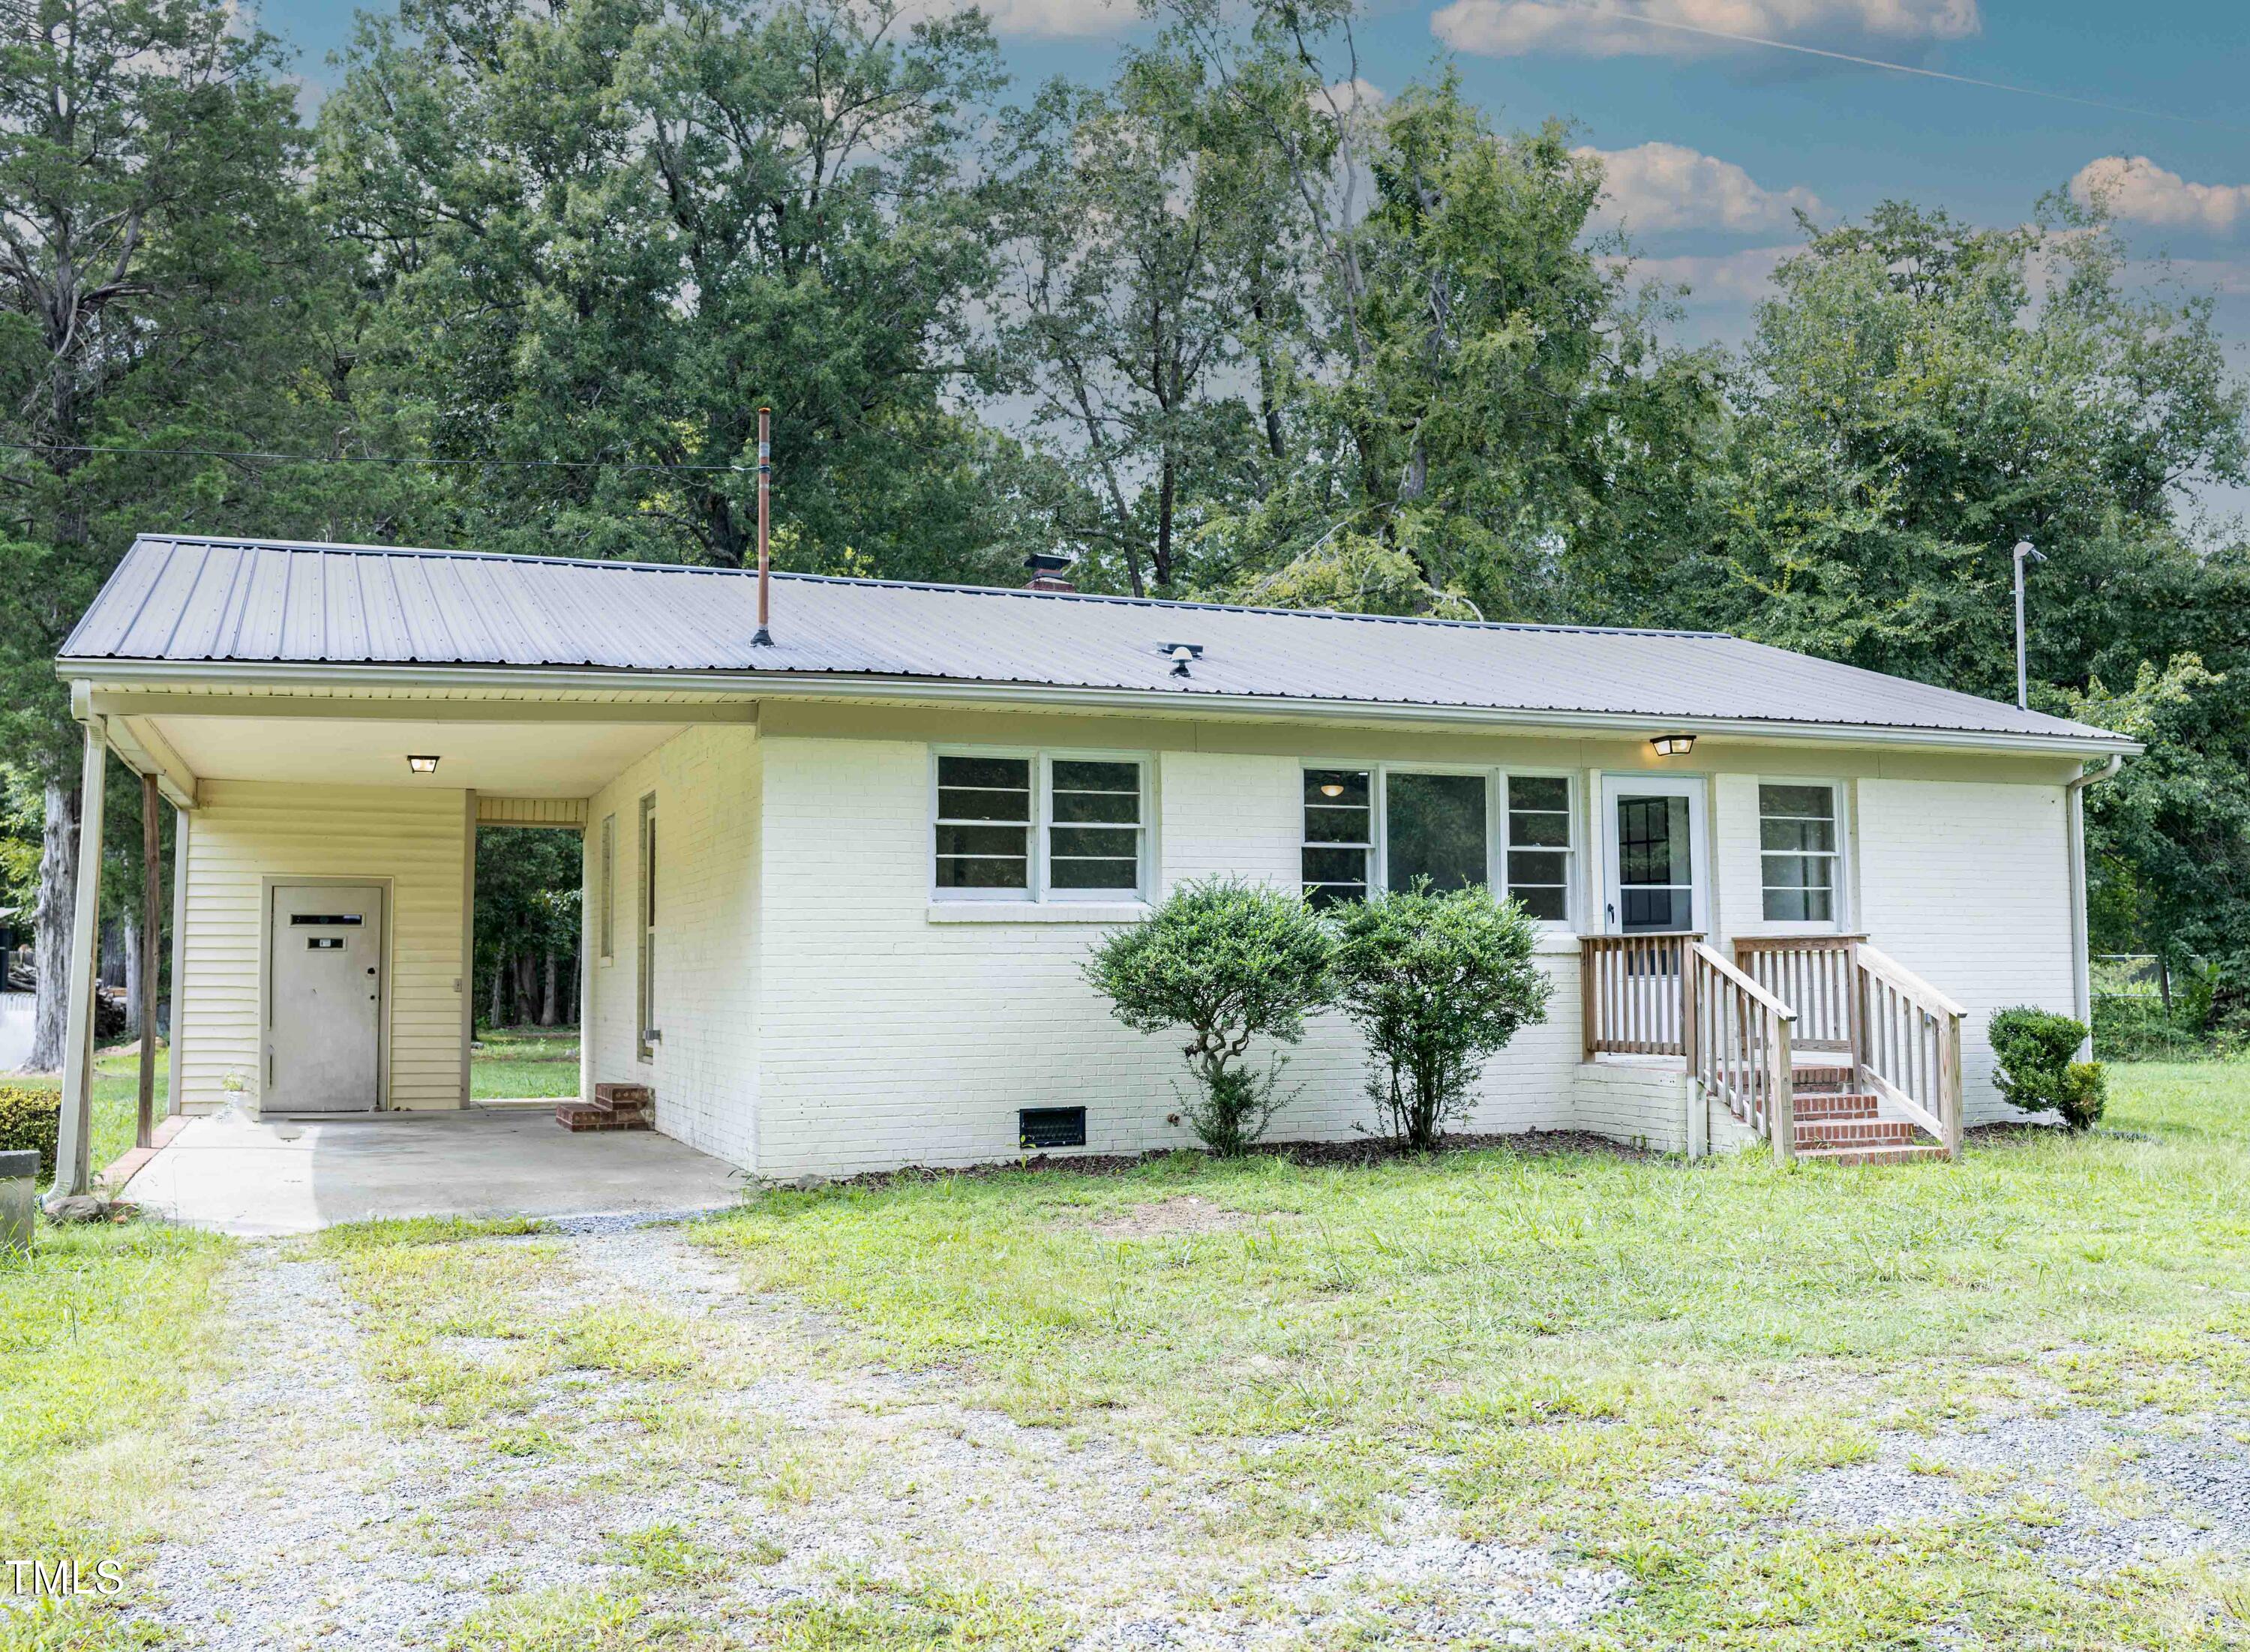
(31, 1116)
(1229, 960)
(1438, 984)
(2039, 1070)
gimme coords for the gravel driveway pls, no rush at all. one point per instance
(775, 1474)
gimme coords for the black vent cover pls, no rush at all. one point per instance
(1052, 1127)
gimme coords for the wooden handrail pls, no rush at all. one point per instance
(1767, 999)
(1906, 981)
(1738, 1047)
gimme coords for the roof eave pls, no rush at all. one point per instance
(833, 685)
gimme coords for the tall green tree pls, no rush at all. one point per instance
(146, 208)
(1920, 395)
(603, 233)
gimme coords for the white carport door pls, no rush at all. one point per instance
(324, 998)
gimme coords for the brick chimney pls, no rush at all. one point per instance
(1050, 572)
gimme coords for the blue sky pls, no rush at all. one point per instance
(1713, 138)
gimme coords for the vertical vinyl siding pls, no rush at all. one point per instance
(245, 832)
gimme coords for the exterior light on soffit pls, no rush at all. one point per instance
(1673, 745)
(422, 763)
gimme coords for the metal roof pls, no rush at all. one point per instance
(193, 601)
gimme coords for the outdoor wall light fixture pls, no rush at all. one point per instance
(422, 764)
(1673, 745)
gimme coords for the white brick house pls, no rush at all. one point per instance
(838, 888)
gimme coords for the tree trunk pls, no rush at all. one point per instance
(550, 1009)
(136, 989)
(109, 954)
(1167, 499)
(58, 891)
(500, 974)
(522, 1013)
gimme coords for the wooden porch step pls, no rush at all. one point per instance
(1853, 1132)
(1870, 1155)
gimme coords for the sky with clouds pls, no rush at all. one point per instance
(1721, 118)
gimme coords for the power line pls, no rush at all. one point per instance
(1678, 27)
(365, 459)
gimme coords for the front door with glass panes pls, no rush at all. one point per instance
(1653, 851)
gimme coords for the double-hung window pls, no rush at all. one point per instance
(1383, 828)
(1039, 826)
(1798, 840)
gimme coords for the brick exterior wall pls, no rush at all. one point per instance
(821, 1015)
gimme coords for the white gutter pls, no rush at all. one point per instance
(193, 674)
(2081, 966)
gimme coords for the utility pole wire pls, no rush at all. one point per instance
(369, 459)
(1611, 8)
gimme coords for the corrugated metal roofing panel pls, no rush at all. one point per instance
(206, 600)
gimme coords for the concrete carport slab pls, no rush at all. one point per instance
(260, 1177)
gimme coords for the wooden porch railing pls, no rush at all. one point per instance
(1738, 1025)
(1909, 1051)
(1813, 974)
(1630, 993)
(1740, 1047)
(1901, 1035)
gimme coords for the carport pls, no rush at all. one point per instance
(233, 1173)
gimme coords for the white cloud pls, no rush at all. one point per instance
(2140, 191)
(1655, 186)
(1350, 95)
(1053, 19)
(1507, 28)
(1723, 279)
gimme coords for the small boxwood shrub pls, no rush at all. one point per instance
(1438, 985)
(1229, 960)
(30, 1116)
(2039, 1068)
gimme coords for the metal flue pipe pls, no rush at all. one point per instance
(764, 638)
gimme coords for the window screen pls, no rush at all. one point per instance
(1434, 830)
(985, 823)
(1797, 843)
(1539, 845)
(1093, 827)
(1339, 834)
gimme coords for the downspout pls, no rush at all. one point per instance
(2081, 978)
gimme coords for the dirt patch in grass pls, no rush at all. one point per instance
(1166, 1217)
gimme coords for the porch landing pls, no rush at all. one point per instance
(296, 1175)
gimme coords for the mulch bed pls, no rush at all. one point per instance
(1356, 1152)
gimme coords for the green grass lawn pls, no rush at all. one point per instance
(116, 1098)
(508, 1062)
(105, 1337)
(1552, 1343)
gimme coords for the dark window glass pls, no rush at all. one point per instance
(1435, 829)
(983, 833)
(1339, 834)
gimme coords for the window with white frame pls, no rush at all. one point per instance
(1339, 834)
(1797, 848)
(1039, 826)
(1389, 828)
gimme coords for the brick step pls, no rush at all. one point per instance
(586, 1115)
(1834, 1105)
(1870, 1155)
(1853, 1132)
(625, 1098)
(1821, 1078)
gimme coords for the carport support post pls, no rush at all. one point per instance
(174, 1077)
(74, 1138)
(152, 932)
